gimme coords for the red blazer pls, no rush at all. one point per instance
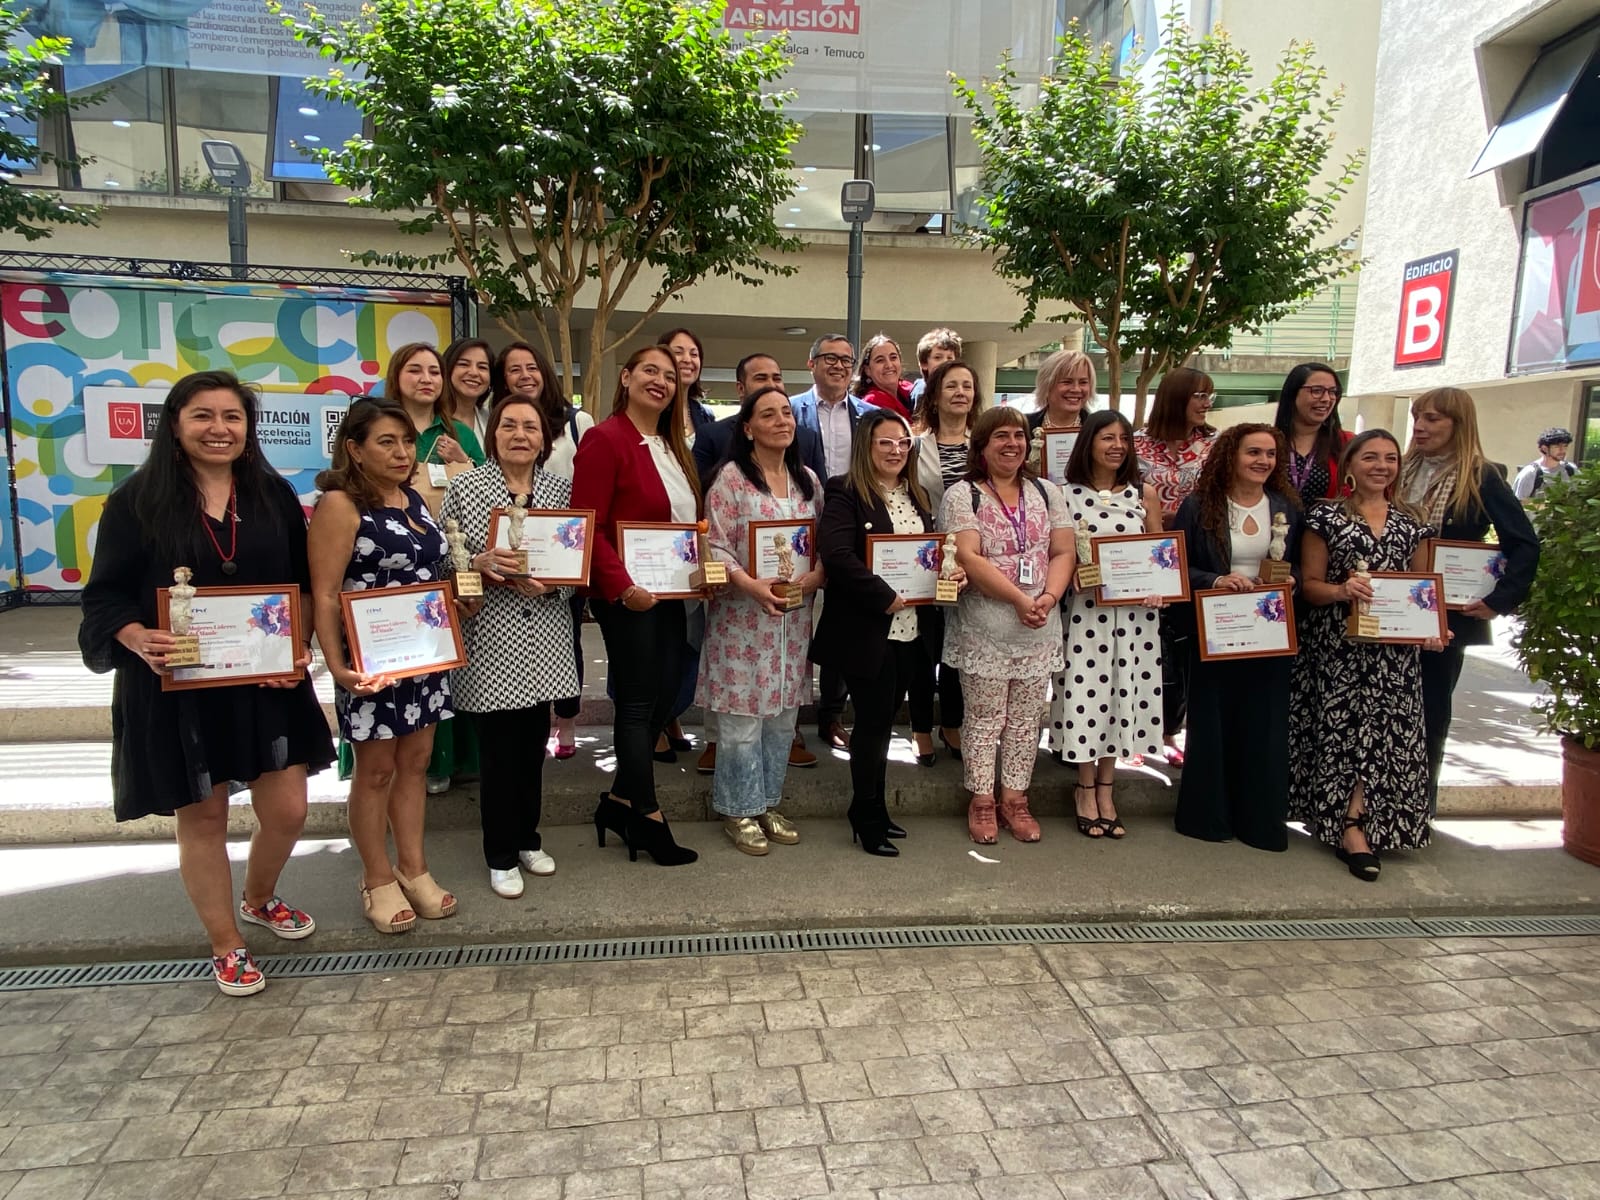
(1335, 488)
(614, 474)
(900, 402)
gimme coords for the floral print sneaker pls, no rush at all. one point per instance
(236, 973)
(288, 923)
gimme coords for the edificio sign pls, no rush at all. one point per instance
(1426, 287)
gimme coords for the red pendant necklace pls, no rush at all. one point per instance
(229, 567)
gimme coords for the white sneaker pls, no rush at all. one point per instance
(536, 862)
(438, 785)
(506, 883)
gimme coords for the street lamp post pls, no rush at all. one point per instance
(856, 202)
(230, 170)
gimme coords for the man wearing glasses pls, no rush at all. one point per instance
(828, 410)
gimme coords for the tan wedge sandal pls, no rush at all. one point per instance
(430, 901)
(383, 904)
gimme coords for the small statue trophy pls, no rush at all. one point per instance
(1036, 452)
(516, 518)
(947, 590)
(793, 597)
(1273, 568)
(185, 650)
(469, 583)
(1362, 625)
(1088, 570)
(710, 573)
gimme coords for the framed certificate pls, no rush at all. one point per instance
(403, 631)
(1254, 624)
(558, 543)
(1136, 565)
(1058, 444)
(1409, 608)
(907, 562)
(661, 557)
(247, 635)
(1470, 570)
(770, 539)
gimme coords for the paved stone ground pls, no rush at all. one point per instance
(1424, 1069)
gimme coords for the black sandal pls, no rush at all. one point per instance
(1090, 827)
(1113, 826)
(1363, 864)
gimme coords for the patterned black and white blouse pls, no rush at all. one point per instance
(519, 649)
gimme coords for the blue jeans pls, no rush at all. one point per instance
(752, 760)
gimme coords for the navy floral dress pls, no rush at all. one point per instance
(395, 547)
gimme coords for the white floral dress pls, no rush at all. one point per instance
(753, 664)
(395, 547)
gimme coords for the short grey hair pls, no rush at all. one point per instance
(816, 346)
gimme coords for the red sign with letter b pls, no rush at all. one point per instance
(1425, 292)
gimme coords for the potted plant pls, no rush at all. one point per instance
(1559, 646)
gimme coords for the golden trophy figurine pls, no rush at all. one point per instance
(516, 520)
(469, 583)
(185, 650)
(793, 596)
(1036, 452)
(1362, 625)
(947, 590)
(1273, 568)
(710, 573)
(1088, 570)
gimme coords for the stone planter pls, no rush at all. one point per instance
(1580, 801)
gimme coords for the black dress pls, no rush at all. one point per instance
(1356, 711)
(170, 749)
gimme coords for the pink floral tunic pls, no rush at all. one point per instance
(752, 664)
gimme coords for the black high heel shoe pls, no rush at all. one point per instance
(894, 830)
(655, 839)
(923, 760)
(874, 841)
(680, 744)
(608, 814)
(955, 751)
(1363, 864)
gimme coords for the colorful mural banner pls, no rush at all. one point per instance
(1558, 293)
(67, 337)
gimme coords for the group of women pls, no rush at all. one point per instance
(457, 435)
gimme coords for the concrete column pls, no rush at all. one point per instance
(1381, 412)
(984, 359)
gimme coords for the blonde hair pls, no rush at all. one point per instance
(1466, 447)
(1056, 368)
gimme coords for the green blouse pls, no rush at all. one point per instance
(462, 434)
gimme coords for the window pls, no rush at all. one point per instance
(1543, 94)
(968, 165)
(1588, 447)
(303, 123)
(909, 159)
(125, 134)
(825, 159)
(220, 105)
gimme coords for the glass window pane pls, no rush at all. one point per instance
(911, 163)
(1589, 430)
(969, 174)
(824, 161)
(125, 133)
(221, 106)
(1538, 101)
(304, 123)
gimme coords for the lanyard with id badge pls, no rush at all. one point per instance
(1018, 520)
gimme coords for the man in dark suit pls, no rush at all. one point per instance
(711, 442)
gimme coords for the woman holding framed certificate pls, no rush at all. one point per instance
(518, 644)
(761, 512)
(1106, 702)
(1358, 769)
(635, 467)
(867, 630)
(1015, 542)
(1461, 495)
(206, 499)
(950, 404)
(372, 532)
(1236, 775)
(1063, 390)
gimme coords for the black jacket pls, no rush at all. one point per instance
(1518, 542)
(711, 444)
(1209, 560)
(853, 634)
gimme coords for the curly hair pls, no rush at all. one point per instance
(1216, 477)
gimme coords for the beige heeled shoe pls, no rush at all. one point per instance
(428, 899)
(382, 906)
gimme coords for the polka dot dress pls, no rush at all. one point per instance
(1106, 702)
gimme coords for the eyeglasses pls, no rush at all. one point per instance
(834, 360)
(1320, 391)
(1203, 397)
(888, 445)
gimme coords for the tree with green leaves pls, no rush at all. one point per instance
(568, 150)
(28, 99)
(1169, 207)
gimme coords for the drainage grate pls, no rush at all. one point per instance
(301, 966)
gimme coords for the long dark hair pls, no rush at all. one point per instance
(452, 355)
(742, 449)
(863, 479)
(1080, 465)
(696, 390)
(1216, 477)
(346, 475)
(162, 490)
(1330, 434)
(669, 425)
(553, 407)
(443, 408)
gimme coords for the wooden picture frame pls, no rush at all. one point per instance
(236, 622)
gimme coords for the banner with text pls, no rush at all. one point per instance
(89, 362)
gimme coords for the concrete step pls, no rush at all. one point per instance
(61, 792)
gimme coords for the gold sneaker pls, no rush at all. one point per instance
(778, 827)
(745, 835)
